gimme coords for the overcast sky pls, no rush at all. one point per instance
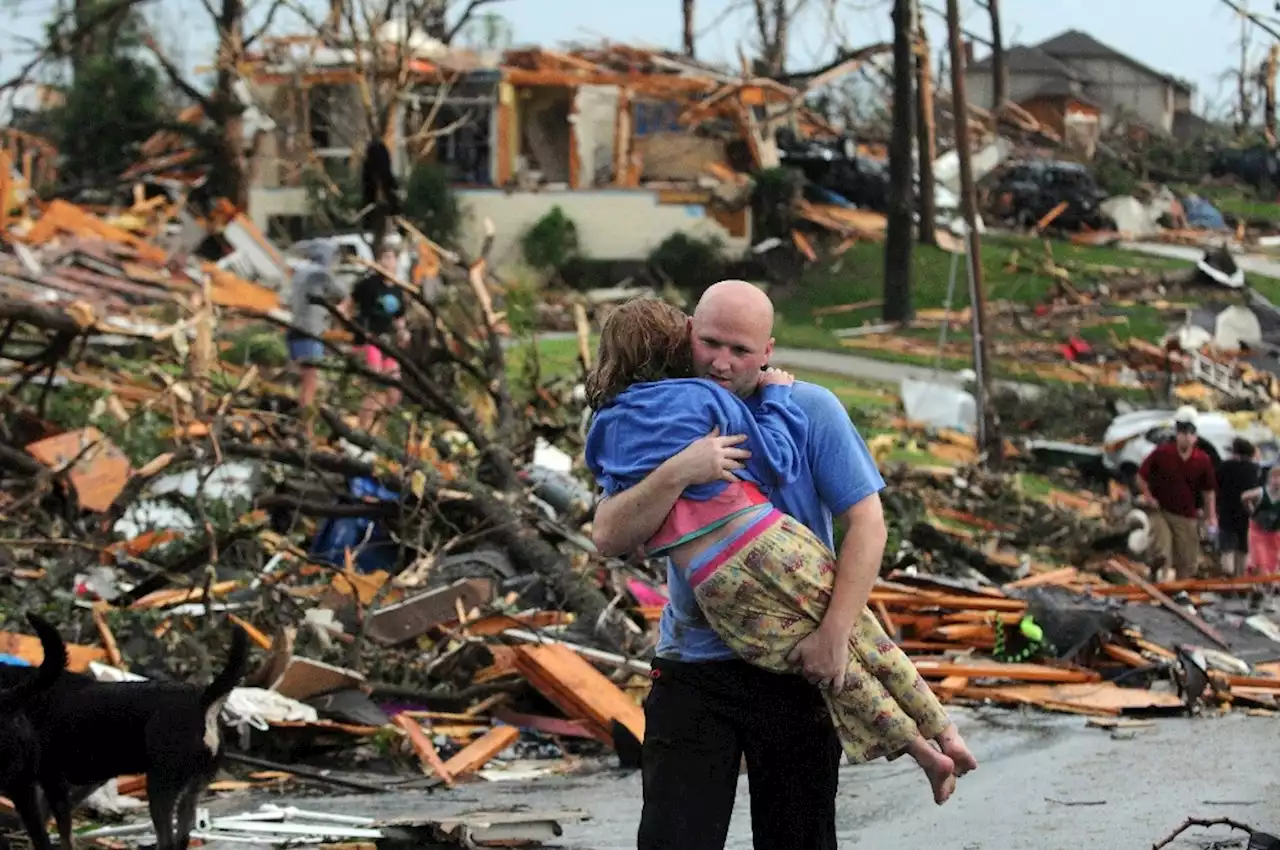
(1193, 39)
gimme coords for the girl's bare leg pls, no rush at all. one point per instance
(954, 747)
(937, 766)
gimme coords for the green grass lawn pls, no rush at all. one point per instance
(859, 276)
(559, 358)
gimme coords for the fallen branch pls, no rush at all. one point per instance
(1190, 822)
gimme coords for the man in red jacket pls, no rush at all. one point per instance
(1170, 479)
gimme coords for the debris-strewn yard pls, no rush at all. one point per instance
(423, 596)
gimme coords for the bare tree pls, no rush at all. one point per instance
(897, 245)
(687, 14)
(223, 106)
(774, 19)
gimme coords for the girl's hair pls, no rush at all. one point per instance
(644, 339)
(1242, 447)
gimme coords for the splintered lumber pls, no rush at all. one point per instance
(578, 689)
(423, 747)
(1098, 698)
(959, 603)
(995, 670)
(1159, 595)
(482, 750)
(1124, 655)
(28, 649)
(1061, 577)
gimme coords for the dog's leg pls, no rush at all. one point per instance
(24, 800)
(187, 805)
(162, 795)
(56, 795)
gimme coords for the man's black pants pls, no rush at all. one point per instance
(700, 720)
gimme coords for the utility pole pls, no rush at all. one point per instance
(1269, 90)
(1000, 79)
(988, 423)
(898, 235)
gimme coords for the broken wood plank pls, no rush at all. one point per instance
(426, 750)
(481, 751)
(578, 689)
(1155, 593)
(28, 648)
(1013, 672)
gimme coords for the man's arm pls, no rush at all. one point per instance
(625, 520)
(1208, 490)
(857, 565)
(849, 483)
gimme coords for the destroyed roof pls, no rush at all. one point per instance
(1074, 44)
(1064, 88)
(1031, 60)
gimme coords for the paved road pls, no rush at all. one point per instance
(1259, 264)
(848, 365)
(1047, 782)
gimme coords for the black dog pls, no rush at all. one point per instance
(19, 747)
(90, 731)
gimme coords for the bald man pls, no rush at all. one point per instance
(707, 708)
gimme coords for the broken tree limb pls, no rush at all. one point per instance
(1203, 822)
(185, 565)
(495, 516)
(75, 320)
(418, 385)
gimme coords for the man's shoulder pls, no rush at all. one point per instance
(818, 402)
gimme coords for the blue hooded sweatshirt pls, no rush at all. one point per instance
(648, 423)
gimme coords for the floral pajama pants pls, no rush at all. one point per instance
(768, 588)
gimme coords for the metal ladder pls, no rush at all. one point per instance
(1220, 376)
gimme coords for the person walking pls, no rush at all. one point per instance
(1264, 525)
(708, 709)
(1237, 475)
(312, 281)
(1176, 477)
(379, 315)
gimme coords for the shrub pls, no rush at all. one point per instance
(552, 241)
(430, 202)
(692, 264)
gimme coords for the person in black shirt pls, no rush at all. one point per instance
(1237, 475)
(379, 314)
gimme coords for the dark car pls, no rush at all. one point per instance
(836, 167)
(1028, 191)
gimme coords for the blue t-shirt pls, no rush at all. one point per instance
(840, 473)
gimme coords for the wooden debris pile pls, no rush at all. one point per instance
(1104, 649)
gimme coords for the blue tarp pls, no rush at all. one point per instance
(368, 539)
(1202, 214)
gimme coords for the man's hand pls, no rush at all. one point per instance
(823, 658)
(712, 458)
(776, 376)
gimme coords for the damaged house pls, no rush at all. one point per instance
(1080, 87)
(631, 145)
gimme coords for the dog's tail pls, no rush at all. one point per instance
(55, 661)
(237, 662)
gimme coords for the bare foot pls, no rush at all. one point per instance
(937, 766)
(955, 748)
